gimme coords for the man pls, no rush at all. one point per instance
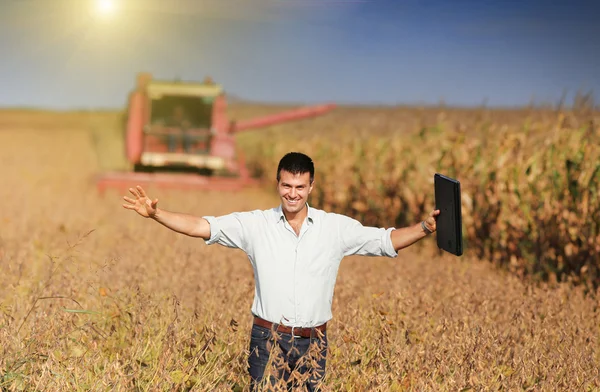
(295, 251)
(180, 121)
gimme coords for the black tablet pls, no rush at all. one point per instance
(449, 221)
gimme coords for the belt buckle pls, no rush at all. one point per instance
(296, 336)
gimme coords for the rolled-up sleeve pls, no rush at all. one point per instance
(357, 239)
(214, 229)
(230, 230)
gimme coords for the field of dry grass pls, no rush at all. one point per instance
(93, 297)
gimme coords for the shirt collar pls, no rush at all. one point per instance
(279, 214)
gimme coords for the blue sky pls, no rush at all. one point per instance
(59, 54)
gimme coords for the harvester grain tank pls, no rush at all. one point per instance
(178, 135)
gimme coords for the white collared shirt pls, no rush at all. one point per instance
(295, 275)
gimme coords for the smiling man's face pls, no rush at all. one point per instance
(293, 191)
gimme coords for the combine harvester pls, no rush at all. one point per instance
(177, 135)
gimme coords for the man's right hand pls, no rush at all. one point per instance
(141, 203)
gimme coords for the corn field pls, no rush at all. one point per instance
(530, 199)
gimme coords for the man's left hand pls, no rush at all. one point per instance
(431, 221)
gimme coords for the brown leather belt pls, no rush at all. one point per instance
(295, 331)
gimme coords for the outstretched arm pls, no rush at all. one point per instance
(357, 239)
(190, 225)
(406, 236)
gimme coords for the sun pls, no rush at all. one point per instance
(105, 7)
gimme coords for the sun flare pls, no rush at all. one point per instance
(105, 7)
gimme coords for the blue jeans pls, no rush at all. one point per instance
(292, 360)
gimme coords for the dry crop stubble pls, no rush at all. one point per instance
(122, 303)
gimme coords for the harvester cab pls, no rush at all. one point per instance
(171, 126)
(177, 134)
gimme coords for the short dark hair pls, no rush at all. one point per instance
(296, 163)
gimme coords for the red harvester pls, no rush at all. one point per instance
(178, 136)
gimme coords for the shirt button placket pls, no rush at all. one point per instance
(296, 284)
